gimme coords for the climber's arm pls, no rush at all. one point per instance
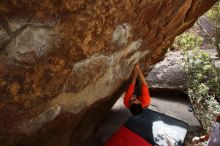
(130, 90)
(140, 75)
(145, 96)
(134, 78)
(205, 137)
(197, 140)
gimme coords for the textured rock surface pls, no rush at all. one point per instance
(167, 73)
(61, 62)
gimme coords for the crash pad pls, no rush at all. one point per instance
(155, 127)
(125, 137)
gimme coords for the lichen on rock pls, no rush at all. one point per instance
(29, 44)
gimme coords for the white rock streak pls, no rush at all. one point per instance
(31, 126)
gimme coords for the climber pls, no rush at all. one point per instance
(141, 99)
(213, 137)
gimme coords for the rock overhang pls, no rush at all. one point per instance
(64, 56)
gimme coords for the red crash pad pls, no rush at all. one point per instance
(125, 137)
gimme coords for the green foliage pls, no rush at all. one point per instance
(203, 78)
(214, 13)
(188, 41)
(203, 75)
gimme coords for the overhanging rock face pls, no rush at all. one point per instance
(61, 61)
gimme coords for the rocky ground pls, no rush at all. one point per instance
(177, 106)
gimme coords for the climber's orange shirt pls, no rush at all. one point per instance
(144, 98)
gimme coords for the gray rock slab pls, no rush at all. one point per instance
(167, 73)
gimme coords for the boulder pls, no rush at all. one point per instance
(63, 63)
(167, 74)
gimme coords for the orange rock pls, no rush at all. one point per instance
(75, 55)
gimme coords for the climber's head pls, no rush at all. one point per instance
(134, 100)
(136, 107)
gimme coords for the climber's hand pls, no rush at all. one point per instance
(135, 72)
(168, 142)
(137, 66)
(196, 140)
